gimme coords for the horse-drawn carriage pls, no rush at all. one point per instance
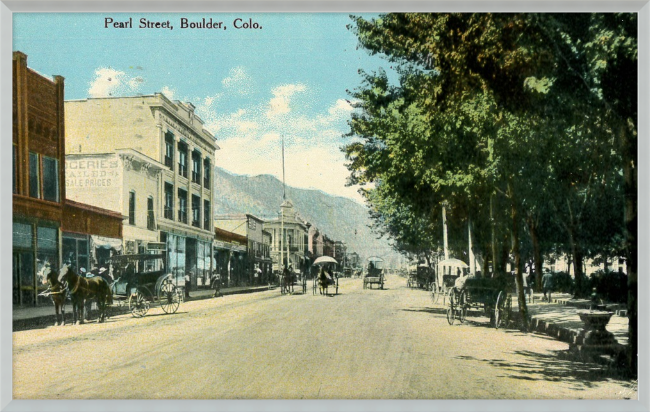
(290, 279)
(488, 295)
(421, 276)
(448, 271)
(375, 274)
(141, 280)
(324, 279)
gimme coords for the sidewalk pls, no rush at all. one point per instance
(560, 320)
(45, 314)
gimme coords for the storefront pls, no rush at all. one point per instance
(35, 248)
(231, 259)
(188, 256)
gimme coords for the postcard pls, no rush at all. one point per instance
(325, 206)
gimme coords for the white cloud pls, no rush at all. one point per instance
(250, 137)
(238, 81)
(168, 92)
(342, 107)
(111, 82)
(279, 104)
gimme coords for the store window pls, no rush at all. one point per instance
(34, 176)
(176, 257)
(23, 264)
(47, 254)
(75, 252)
(50, 179)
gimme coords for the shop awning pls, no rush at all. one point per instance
(105, 242)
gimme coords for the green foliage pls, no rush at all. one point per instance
(526, 109)
(610, 286)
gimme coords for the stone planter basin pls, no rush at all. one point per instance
(595, 320)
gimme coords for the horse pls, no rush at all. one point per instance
(288, 279)
(57, 292)
(81, 288)
(324, 281)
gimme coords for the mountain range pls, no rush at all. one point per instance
(338, 217)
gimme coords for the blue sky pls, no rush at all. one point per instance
(250, 86)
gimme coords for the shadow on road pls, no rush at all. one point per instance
(554, 367)
(437, 311)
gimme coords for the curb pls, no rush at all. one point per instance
(115, 309)
(574, 339)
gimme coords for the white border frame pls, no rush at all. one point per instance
(7, 8)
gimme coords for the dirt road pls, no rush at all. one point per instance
(360, 344)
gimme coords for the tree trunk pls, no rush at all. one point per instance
(486, 262)
(576, 251)
(505, 255)
(521, 296)
(537, 255)
(494, 236)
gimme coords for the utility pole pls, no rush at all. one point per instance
(284, 198)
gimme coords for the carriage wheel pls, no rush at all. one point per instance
(451, 307)
(138, 305)
(500, 309)
(435, 294)
(168, 297)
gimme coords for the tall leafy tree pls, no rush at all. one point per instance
(555, 117)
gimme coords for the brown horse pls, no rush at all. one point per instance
(324, 281)
(288, 280)
(81, 289)
(58, 292)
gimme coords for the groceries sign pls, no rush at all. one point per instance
(89, 173)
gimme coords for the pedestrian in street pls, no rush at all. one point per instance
(547, 285)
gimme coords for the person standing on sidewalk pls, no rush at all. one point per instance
(547, 284)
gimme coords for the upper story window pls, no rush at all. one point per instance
(196, 167)
(182, 159)
(206, 173)
(14, 175)
(169, 150)
(182, 206)
(50, 179)
(151, 221)
(43, 177)
(206, 214)
(34, 176)
(196, 211)
(252, 224)
(132, 208)
(169, 201)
